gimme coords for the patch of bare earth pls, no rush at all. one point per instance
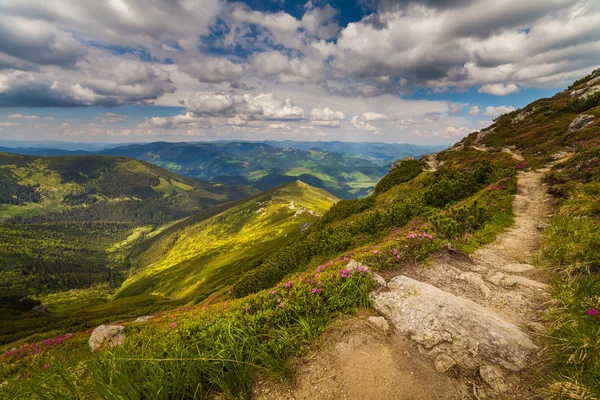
(359, 361)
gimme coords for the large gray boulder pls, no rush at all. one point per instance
(580, 122)
(442, 323)
(106, 336)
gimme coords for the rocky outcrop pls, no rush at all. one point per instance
(304, 226)
(442, 323)
(106, 336)
(582, 121)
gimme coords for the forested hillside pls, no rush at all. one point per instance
(261, 165)
(96, 188)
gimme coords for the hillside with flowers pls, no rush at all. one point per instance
(530, 182)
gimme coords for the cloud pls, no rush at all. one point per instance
(25, 43)
(212, 109)
(372, 116)
(499, 89)
(280, 68)
(319, 22)
(211, 69)
(279, 127)
(108, 81)
(497, 111)
(19, 116)
(263, 106)
(326, 117)
(467, 43)
(360, 123)
(127, 22)
(474, 110)
(111, 118)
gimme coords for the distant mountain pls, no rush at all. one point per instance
(208, 252)
(52, 144)
(43, 151)
(380, 153)
(260, 165)
(98, 188)
(347, 170)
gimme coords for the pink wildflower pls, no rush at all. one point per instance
(395, 251)
(314, 290)
(375, 251)
(593, 312)
(173, 325)
(273, 293)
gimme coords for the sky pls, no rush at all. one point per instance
(397, 71)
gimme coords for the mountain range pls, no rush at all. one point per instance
(347, 170)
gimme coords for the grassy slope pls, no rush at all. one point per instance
(196, 259)
(107, 188)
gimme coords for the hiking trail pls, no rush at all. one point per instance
(426, 355)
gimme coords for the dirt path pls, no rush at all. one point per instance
(358, 361)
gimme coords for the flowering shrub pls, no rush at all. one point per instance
(35, 348)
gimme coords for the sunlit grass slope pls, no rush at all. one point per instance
(195, 259)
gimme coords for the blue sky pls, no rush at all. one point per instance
(415, 71)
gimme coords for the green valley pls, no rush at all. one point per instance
(261, 165)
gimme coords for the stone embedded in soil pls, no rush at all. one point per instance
(380, 323)
(530, 283)
(476, 280)
(500, 279)
(107, 336)
(517, 268)
(443, 323)
(443, 362)
(493, 377)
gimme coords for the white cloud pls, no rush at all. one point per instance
(474, 110)
(361, 125)
(491, 111)
(499, 89)
(19, 116)
(279, 127)
(280, 68)
(326, 117)
(372, 116)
